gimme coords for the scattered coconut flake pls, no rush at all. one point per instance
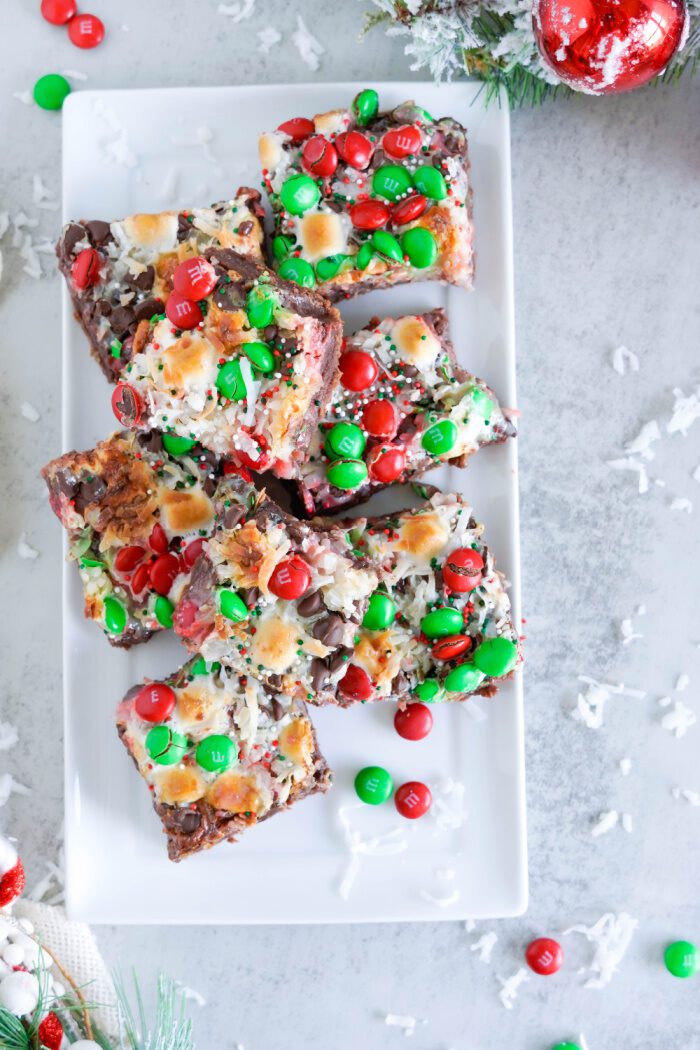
(664, 701)
(469, 925)
(448, 809)
(484, 946)
(10, 786)
(591, 704)
(641, 610)
(74, 74)
(605, 823)
(681, 503)
(621, 357)
(191, 993)
(627, 823)
(8, 736)
(445, 901)
(632, 464)
(682, 683)
(116, 150)
(628, 632)
(309, 48)
(691, 797)
(583, 1041)
(404, 1021)
(641, 445)
(268, 37)
(625, 766)
(5, 225)
(24, 550)
(685, 411)
(392, 842)
(611, 936)
(239, 11)
(25, 97)
(696, 474)
(679, 720)
(510, 985)
(29, 412)
(42, 195)
(51, 888)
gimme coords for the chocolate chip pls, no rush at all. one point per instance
(319, 673)
(232, 516)
(151, 441)
(329, 630)
(103, 307)
(100, 231)
(190, 821)
(310, 604)
(121, 318)
(335, 206)
(270, 333)
(143, 282)
(229, 296)
(66, 485)
(250, 596)
(184, 227)
(274, 680)
(339, 659)
(145, 310)
(277, 708)
(73, 234)
(245, 227)
(92, 490)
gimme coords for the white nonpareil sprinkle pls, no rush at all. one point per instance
(622, 357)
(510, 985)
(627, 823)
(404, 1021)
(685, 412)
(691, 797)
(611, 936)
(29, 412)
(605, 823)
(268, 37)
(10, 786)
(679, 720)
(625, 766)
(24, 550)
(682, 683)
(484, 946)
(8, 736)
(591, 704)
(445, 901)
(237, 12)
(681, 503)
(628, 632)
(309, 48)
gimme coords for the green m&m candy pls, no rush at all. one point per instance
(464, 679)
(232, 606)
(176, 445)
(347, 474)
(216, 753)
(391, 181)
(364, 256)
(91, 563)
(441, 623)
(298, 270)
(430, 182)
(682, 959)
(428, 690)
(380, 612)
(299, 193)
(115, 615)
(260, 306)
(440, 437)
(386, 244)
(200, 666)
(230, 381)
(282, 246)
(566, 1046)
(260, 356)
(344, 440)
(373, 785)
(420, 246)
(482, 402)
(164, 610)
(50, 91)
(496, 656)
(333, 265)
(365, 106)
(165, 746)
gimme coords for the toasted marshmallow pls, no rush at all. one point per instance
(416, 341)
(185, 510)
(322, 233)
(153, 233)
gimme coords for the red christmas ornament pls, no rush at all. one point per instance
(51, 1032)
(605, 46)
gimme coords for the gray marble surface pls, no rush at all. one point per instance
(606, 206)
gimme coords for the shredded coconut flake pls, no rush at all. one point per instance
(622, 357)
(627, 823)
(691, 797)
(391, 843)
(43, 197)
(237, 12)
(641, 445)
(681, 503)
(679, 719)
(74, 74)
(625, 766)
(404, 1021)
(10, 786)
(307, 45)
(29, 412)
(484, 946)
(117, 149)
(510, 985)
(268, 37)
(24, 550)
(605, 823)
(685, 412)
(696, 474)
(8, 736)
(682, 683)
(610, 936)
(635, 465)
(591, 704)
(628, 632)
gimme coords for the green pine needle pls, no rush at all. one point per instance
(13, 1034)
(172, 1031)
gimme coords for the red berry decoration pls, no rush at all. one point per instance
(86, 31)
(182, 312)
(51, 1032)
(58, 12)
(544, 956)
(358, 370)
(158, 540)
(451, 648)
(355, 684)
(192, 551)
(319, 157)
(380, 419)
(413, 799)
(163, 572)
(194, 278)
(414, 722)
(126, 405)
(290, 578)
(606, 46)
(128, 558)
(462, 570)
(155, 702)
(85, 271)
(355, 149)
(401, 142)
(11, 884)
(298, 128)
(369, 215)
(409, 209)
(140, 579)
(385, 463)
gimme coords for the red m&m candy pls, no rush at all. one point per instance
(400, 142)
(408, 210)
(126, 404)
(414, 722)
(380, 419)
(128, 558)
(290, 578)
(194, 278)
(319, 157)
(158, 540)
(358, 370)
(58, 12)
(85, 271)
(86, 31)
(181, 312)
(544, 956)
(163, 572)
(462, 569)
(355, 149)
(140, 579)
(298, 128)
(355, 684)
(385, 463)
(451, 648)
(413, 799)
(259, 462)
(191, 552)
(155, 702)
(369, 215)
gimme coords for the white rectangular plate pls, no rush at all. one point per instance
(128, 151)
